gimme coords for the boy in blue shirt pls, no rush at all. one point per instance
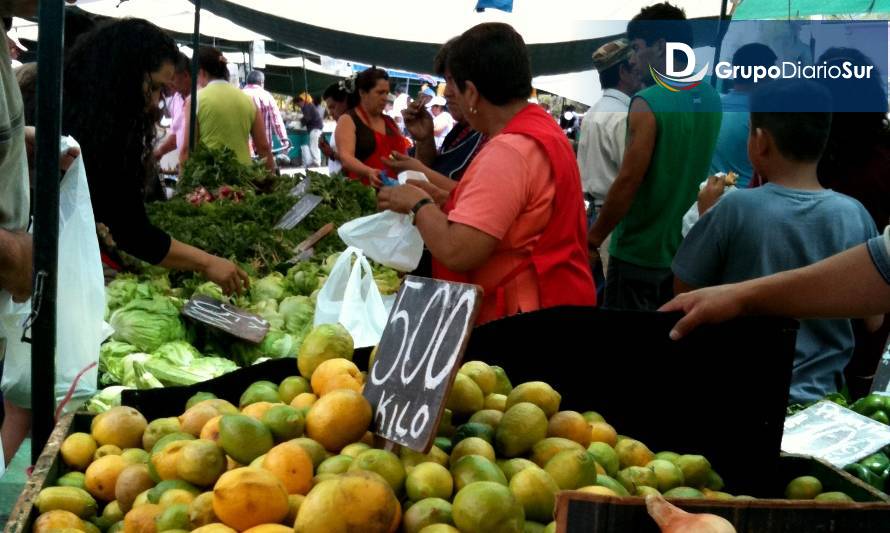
(789, 223)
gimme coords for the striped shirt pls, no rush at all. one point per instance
(266, 105)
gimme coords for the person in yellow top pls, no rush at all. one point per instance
(226, 116)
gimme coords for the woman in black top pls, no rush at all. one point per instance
(112, 84)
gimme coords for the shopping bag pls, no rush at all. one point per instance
(350, 296)
(388, 238)
(80, 302)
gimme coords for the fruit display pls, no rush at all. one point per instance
(874, 469)
(874, 406)
(298, 455)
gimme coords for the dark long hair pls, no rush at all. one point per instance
(366, 81)
(213, 62)
(105, 101)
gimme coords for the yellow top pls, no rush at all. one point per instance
(225, 117)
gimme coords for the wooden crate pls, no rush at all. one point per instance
(578, 512)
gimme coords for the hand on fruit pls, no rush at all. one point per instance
(400, 198)
(706, 306)
(227, 275)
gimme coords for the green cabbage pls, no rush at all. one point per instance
(111, 356)
(276, 345)
(126, 288)
(329, 262)
(387, 280)
(268, 309)
(105, 399)
(298, 312)
(136, 375)
(177, 352)
(210, 289)
(303, 278)
(327, 341)
(147, 324)
(199, 369)
(271, 287)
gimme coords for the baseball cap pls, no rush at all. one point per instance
(611, 53)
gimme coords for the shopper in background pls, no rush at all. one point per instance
(399, 105)
(855, 163)
(798, 223)
(671, 138)
(515, 223)
(314, 124)
(267, 107)
(731, 152)
(181, 87)
(603, 134)
(227, 118)
(443, 121)
(337, 100)
(365, 136)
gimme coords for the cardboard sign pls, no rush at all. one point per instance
(298, 212)
(418, 355)
(228, 318)
(833, 433)
(301, 188)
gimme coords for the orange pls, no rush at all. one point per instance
(57, 520)
(248, 497)
(120, 426)
(305, 399)
(336, 374)
(339, 418)
(355, 501)
(77, 451)
(101, 476)
(291, 464)
(570, 425)
(142, 519)
(210, 431)
(193, 420)
(257, 410)
(603, 432)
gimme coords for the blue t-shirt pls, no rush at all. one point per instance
(731, 152)
(756, 232)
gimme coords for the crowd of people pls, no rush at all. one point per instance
(506, 202)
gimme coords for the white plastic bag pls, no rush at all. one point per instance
(388, 237)
(350, 297)
(692, 216)
(80, 301)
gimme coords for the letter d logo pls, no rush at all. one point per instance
(670, 49)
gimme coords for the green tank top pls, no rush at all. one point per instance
(687, 126)
(225, 117)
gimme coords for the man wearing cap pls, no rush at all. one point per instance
(442, 120)
(603, 131)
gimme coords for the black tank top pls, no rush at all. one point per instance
(365, 142)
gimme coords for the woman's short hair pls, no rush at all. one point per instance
(213, 62)
(494, 57)
(368, 78)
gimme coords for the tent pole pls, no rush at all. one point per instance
(305, 76)
(196, 44)
(46, 224)
(722, 27)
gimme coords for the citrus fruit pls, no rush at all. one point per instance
(294, 502)
(210, 431)
(335, 465)
(199, 397)
(472, 446)
(466, 397)
(484, 376)
(354, 501)
(610, 483)
(489, 417)
(535, 491)
(73, 499)
(201, 510)
(339, 418)
(57, 520)
(538, 393)
(259, 391)
(633, 453)
(352, 450)
(336, 374)
(247, 497)
(572, 469)
(668, 456)
(165, 455)
(497, 402)
(544, 450)
(635, 476)
(303, 400)
(502, 385)
(244, 438)
(107, 449)
(803, 488)
(523, 425)
(72, 479)
(292, 386)
(326, 341)
(291, 464)
(427, 512)
(77, 450)
(569, 425)
(157, 429)
(135, 456)
(429, 480)
(603, 432)
(284, 422)
(315, 450)
(487, 507)
(605, 456)
(257, 410)
(384, 463)
(101, 476)
(132, 481)
(597, 489)
(833, 497)
(194, 419)
(593, 416)
(695, 470)
(511, 467)
(201, 462)
(174, 517)
(142, 519)
(473, 429)
(473, 468)
(684, 492)
(121, 426)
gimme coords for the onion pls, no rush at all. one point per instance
(673, 519)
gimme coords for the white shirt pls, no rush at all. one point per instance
(446, 121)
(399, 104)
(602, 142)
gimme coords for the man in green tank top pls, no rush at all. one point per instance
(672, 133)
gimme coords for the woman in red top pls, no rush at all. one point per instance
(515, 224)
(364, 135)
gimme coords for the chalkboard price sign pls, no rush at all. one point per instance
(417, 358)
(298, 212)
(833, 433)
(225, 317)
(301, 188)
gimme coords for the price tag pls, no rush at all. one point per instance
(418, 355)
(222, 316)
(298, 212)
(833, 433)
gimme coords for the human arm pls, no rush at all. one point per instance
(345, 135)
(458, 247)
(637, 156)
(261, 141)
(221, 271)
(186, 131)
(401, 162)
(280, 128)
(419, 124)
(16, 264)
(166, 146)
(845, 285)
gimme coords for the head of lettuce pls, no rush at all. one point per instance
(148, 323)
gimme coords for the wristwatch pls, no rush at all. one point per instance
(419, 205)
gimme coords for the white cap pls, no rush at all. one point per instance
(437, 100)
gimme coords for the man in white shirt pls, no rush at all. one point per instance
(604, 128)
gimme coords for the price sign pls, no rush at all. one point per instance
(833, 433)
(881, 383)
(301, 188)
(298, 212)
(417, 358)
(228, 318)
